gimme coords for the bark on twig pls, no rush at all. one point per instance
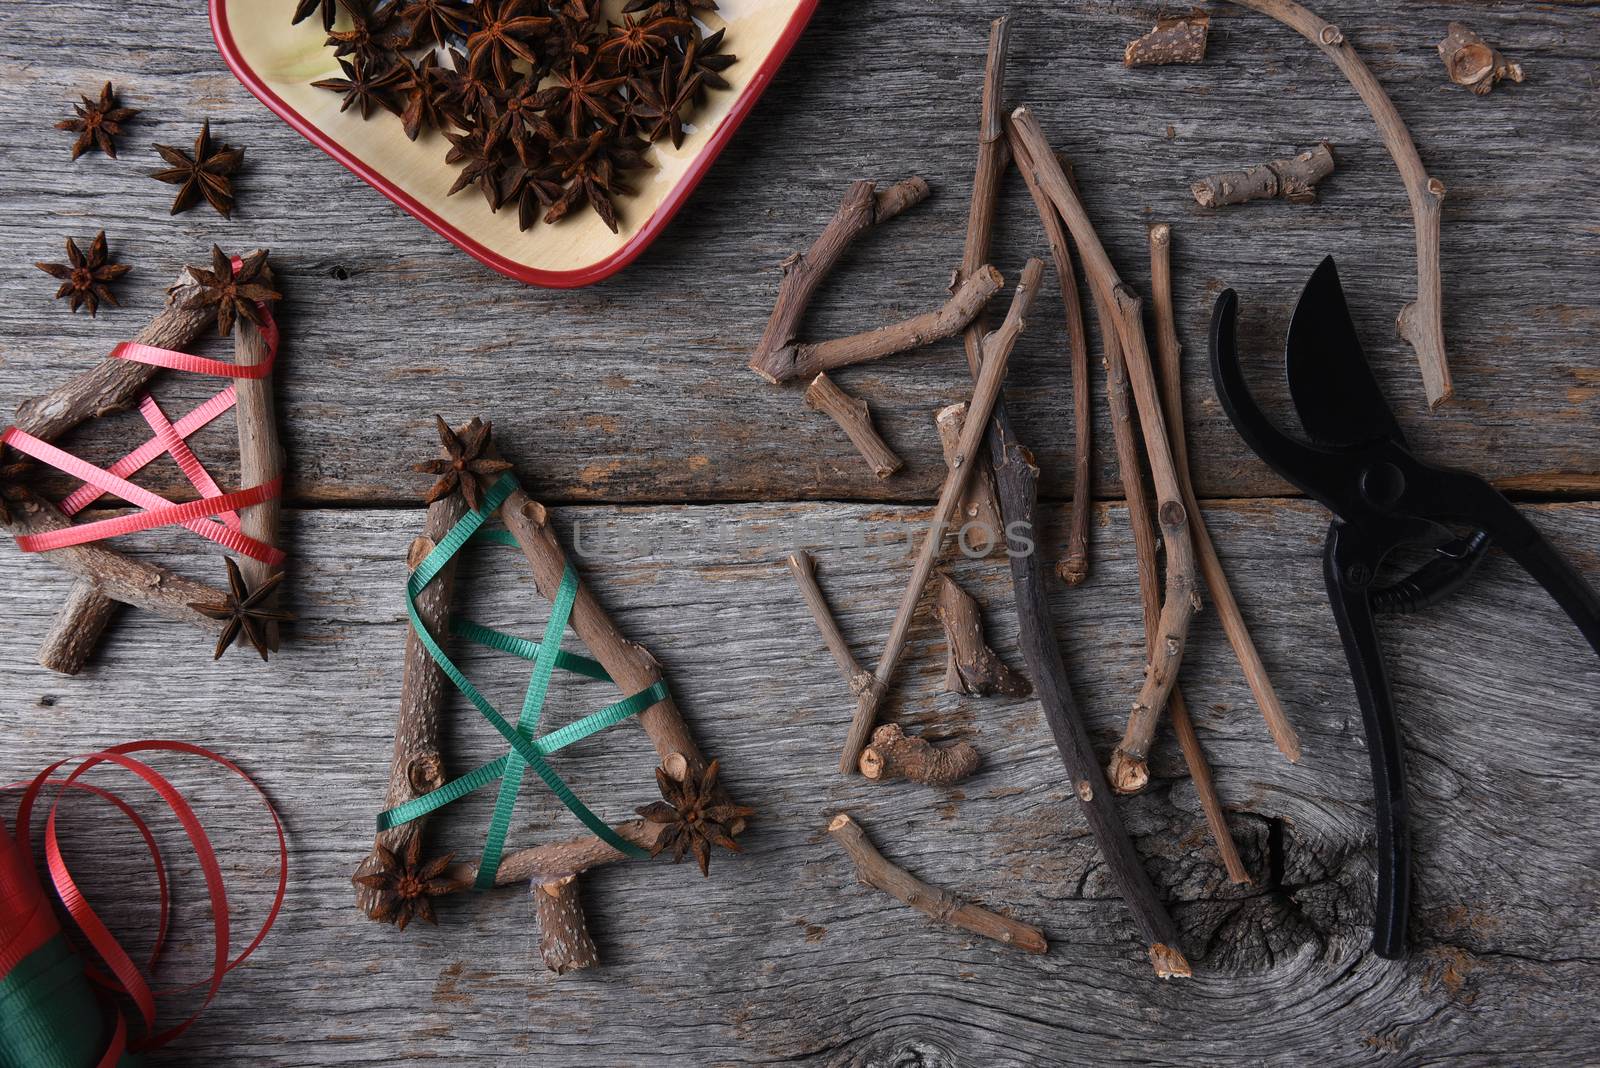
(1472, 62)
(804, 570)
(803, 359)
(981, 531)
(81, 620)
(564, 940)
(1293, 179)
(1174, 40)
(855, 419)
(863, 207)
(1018, 481)
(996, 357)
(260, 457)
(545, 863)
(1421, 322)
(1178, 608)
(894, 754)
(877, 872)
(971, 666)
(1216, 579)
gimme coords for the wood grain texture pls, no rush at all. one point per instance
(634, 398)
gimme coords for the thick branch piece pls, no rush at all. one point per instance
(863, 207)
(894, 754)
(1180, 40)
(967, 298)
(877, 872)
(1421, 322)
(996, 358)
(855, 419)
(260, 455)
(1018, 481)
(83, 618)
(1473, 63)
(1294, 179)
(981, 531)
(971, 667)
(1216, 579)
(564, 940)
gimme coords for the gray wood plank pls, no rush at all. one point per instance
(780, 956)
(636, 389)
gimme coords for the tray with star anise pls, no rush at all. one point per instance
(551, 139)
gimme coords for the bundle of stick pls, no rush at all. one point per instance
(105, 578)
(393, 882)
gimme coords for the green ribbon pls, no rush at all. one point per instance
(527, 750)
(49, 1017)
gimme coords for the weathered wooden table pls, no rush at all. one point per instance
(629, 406)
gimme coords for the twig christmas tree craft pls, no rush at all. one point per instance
(396, 881)
(236, 295)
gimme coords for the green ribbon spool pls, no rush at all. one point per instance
(527, 749)
(49, 1016)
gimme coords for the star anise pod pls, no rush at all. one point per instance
(243, 611)
(578, 31)
(467, 93)
(696, 816)
(504, 35)
(14, 487)
(591, 164)
(97, 123)
(235, 293)
(405, 885)
(703, 58)
(418, 85)
(582, 97)
(437, 21)
(465, 470)
(534, 189)
(521, 122)
(664, 102)
(682, 9)
(85, 277)
(306, 8)
(638, 44)
(372, 35)
(369, 83)
(482, 162)
(206, 175)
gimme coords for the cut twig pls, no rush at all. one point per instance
(1421, 322)
(894, 754)
(260, 456)
(1182, 599)
(804, 570)
(862, 208)
(1018, 480)
(1174, 40)
(1293, 179)
(980, 532)
(971, 666)
(996, 357)
(81, 620)
(1473, 63)
(1216, 579)
(801, 359)
(855, 419)
(877, 872)
(564, 940)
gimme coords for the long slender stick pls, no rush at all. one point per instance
(876, 871)
(804, 570)
(1420, 322)
(997, 355)
(1233, 625)
(260, 456)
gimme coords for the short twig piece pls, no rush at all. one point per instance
(894, 754)
(972, 667)
(980, 532)
(1293, 179)
(804, 570)
(1174, 40)
(863, 207)
(1472, 63)
(855, 419)
(986, 394)
(564, 940)
(877, 872)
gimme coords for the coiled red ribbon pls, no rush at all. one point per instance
(27, 923)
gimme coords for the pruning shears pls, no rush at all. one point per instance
(1383, 498)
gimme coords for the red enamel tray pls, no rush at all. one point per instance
(277, 62)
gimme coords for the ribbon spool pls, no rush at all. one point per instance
(58, 1010)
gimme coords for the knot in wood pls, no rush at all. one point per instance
(1172, 513)
(1436, 188)
(1085, 791)
(1330, 35)
(425, 773)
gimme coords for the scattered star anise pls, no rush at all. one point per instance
(207, 174)
(235, 293)
(503, 36)
(465, 470)
(437, 21)
(696, 815)
(14, 488)
(243, 611)
(97, 123)
(85, 277)
(366, 82)
(405, 885)
(306, 8)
